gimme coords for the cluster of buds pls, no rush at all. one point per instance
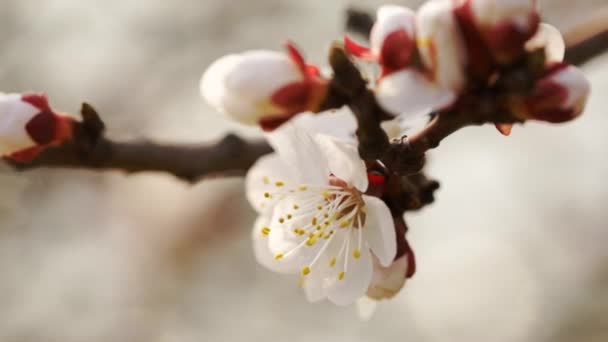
(28, 125)
(432, 58)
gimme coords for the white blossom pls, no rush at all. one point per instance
(315, 219)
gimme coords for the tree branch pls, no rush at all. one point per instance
(588, 40)
(90, 149)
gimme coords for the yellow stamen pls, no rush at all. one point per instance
(332, 262)
(341, 275)
(267, 194)
(423, 42)
(303, 188)
(279, 184)
(306, 271)
(311, 241)
(265, 231)
(278, 256)
(356, 254)
(265, 180)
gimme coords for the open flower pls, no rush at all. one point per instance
(263, 87)
(559, 96)
(402, 88)
(315, 218)
(28, 125)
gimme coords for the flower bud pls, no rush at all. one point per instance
(441, 44)
(505, 25)
(392, 39)
(559, 96)
(28, 125)
(263, 87)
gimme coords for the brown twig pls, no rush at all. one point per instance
(588, 40)
(90, 149)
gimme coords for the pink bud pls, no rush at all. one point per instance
(263, 87)
(28, 125)
(559, 96)
(504, 25)
(441, 45)
(392, 40)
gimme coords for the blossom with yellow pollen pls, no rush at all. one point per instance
(315, 219)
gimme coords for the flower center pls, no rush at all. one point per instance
(312, 217)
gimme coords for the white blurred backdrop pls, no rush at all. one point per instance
(513, 249)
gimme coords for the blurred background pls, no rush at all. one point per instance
(513, 249)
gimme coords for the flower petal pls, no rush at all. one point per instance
(344, 161)
(379, 230)
(354, 281)
(212, 83)
(440, 43)
(339, 123)
(14, 117)
(266, 180)
(355, 49)
(549, 38)
(316, 284)
(388, 281)
(261, 251)
(260, 73)
(410, 93)
(366, 307)
(300, 153)
(299, 249)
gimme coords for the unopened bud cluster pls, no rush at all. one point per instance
(432, 57)
(429, 59)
